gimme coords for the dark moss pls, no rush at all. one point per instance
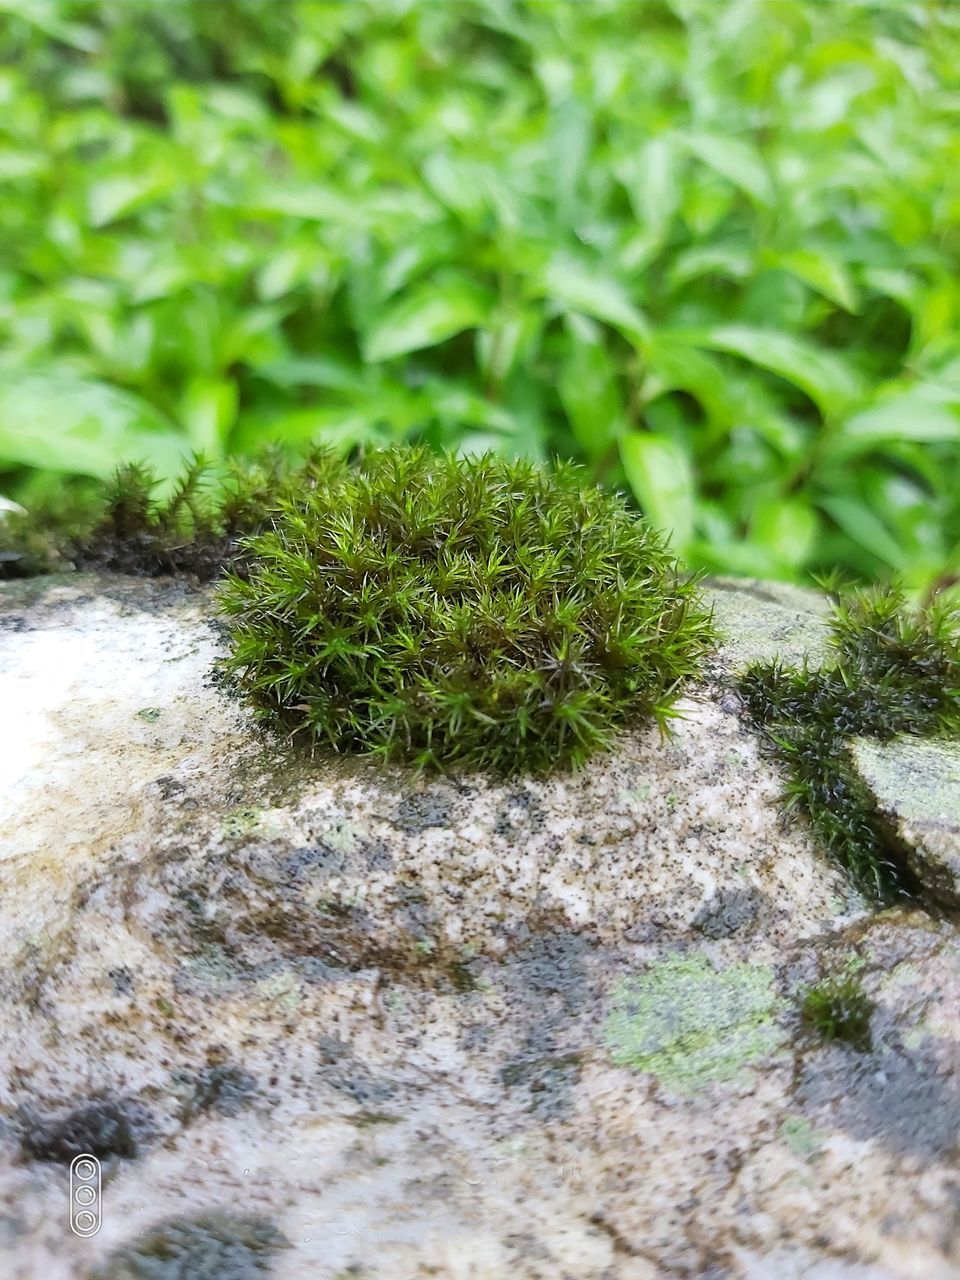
(121, 527)
(222, 1088)
(549, 1081)
(461, 975)
(422, 810)
(728, 912)
(212, 1246)
(895, 670)
(358, 1084)
(472, 611)
(838, 1009)
(103, 1128)
(122, 980)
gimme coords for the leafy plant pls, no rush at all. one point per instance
(478, 612)
(710, 250)
(896, 669)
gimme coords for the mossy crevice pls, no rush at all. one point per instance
(894, 669)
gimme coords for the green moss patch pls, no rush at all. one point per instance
(692, 1025)
(441, 610)
(894, 670)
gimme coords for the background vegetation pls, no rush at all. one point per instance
(709, 247)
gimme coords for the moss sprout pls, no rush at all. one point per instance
(895, 670)
(473, 611)
(837, 1008)
(124, 527)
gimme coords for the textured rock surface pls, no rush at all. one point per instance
(324, 1021)
(916, 784)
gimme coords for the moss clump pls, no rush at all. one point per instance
(838, 1009)
(210, 1246)
(479, 611)
(895, 670)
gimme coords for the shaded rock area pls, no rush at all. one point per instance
(326, 1021)
(916, 785)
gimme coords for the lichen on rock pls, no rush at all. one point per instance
(692, 1025)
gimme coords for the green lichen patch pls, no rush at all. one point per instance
(240, 822)
(475, 611)
(894, 669)
(692, 1025)
(802, 1138)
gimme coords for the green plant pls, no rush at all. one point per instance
(895, 669)
(124, 527)
(709, 249)
(478, 612)
(837, 1008)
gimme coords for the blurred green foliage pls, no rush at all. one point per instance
(710, 248)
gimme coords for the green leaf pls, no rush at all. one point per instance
(907, 417)
(68, 423)
(733, 159)
(313, 371)
(659, 473)
(208, 411)
(650, 178)
(822, 272)
(113, 197)
(675, 366)
(424, 317)
(786, 527)
(588, 389)
(578, 286)
(829, 380)
(865, 528)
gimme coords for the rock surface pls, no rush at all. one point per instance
(916, 784)
(324, 1021)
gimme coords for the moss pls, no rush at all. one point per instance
(838, 1009)
(210, 1246)
(480, 612)
(692, 1025)
(123, 527)
(104, 1127)
(893, 670)
(222, 1088)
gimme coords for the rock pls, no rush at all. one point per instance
(452, 1027)
(760, 621)
(916, 785)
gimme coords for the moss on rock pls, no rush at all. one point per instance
(471, 611)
